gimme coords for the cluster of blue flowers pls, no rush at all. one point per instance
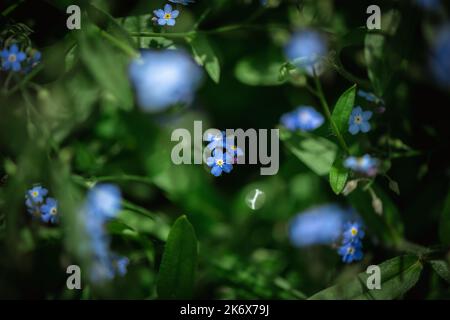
(327, 225)
(304, 118)
(164, 78)
(17, 60)
(103, 204)
(365, 165)
(224, 153)
(167, 16)
(307, 50)
(39, 206)
(351, 247)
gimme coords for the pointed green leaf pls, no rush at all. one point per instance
(442, 268)
(343, 109)
(398, 275)
(338, 175)
(179, 261)
(205, 56)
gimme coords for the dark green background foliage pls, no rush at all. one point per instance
(73, 121)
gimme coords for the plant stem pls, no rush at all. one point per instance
(327, 112)
(119, 44)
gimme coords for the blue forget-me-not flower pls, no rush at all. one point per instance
(166, 16)
(41, 207)
(12, 58)
(220, 162)
(350, 252)
(304, 118)
(365, 164)
(306, 50)
(359, 121)
(164, 78)
(49, 211)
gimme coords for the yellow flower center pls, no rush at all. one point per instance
(12, 58)
(219, 162)
(350, 250)
(358, 119)
(167, 16)
(35, 194)
(354, 231)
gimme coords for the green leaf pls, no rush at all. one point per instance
(205, 56)
(398, 275)
(107, 67)
(377, 68)
(444, 226)
(338, 175)
(317, 153)
(343, 109)
(261, 69)
(179, 261)
(442, 268)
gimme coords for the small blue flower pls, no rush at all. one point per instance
(216, 140)
(166, 16)
(429, 4)
(369, 96)
(359, 121)
(164, 78)
(183, 2)
(105, 200)
(121, 265)
(220, 162)
(12, 58)
(353, 232)
(365, 164)
(351, 252)
(307, 49)
(320, 225)
(304, 118)
(439, 60)
(49, 211)
(36, 195)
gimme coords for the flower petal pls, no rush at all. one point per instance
(171, 22)
(216, 171)
(162, 22)
(159, 13)
(14, 49)
(365, 127)
(175, 13)
(353, 129)
(168, 8)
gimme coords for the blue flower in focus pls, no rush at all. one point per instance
(353, 232)
(183, 2)
(365, 164)
(164, 78)
(166, 16)
(429, 4)
(369, 96)
(306, 50)
(304, 118)
(220, 162)
(36, 195)
(439, 60)
(49, 211)
(321, 225)
(105, 200)
(350, 252)
(12, 58)
(359, 121)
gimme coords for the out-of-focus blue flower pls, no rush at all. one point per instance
(369, 96)
(105, 200)
(220, 162)
(166, 16)
(103, 203)
(429, 4)
(365, 164)
(223, 142)
(12, 58)
(353, 232)
(49, 211)
(304, 118)
(359, 121)
(439, 60)
(351, 251)
(307, 49)
(33, 61)
(164, 78)
(319, 225)
(183, 2)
